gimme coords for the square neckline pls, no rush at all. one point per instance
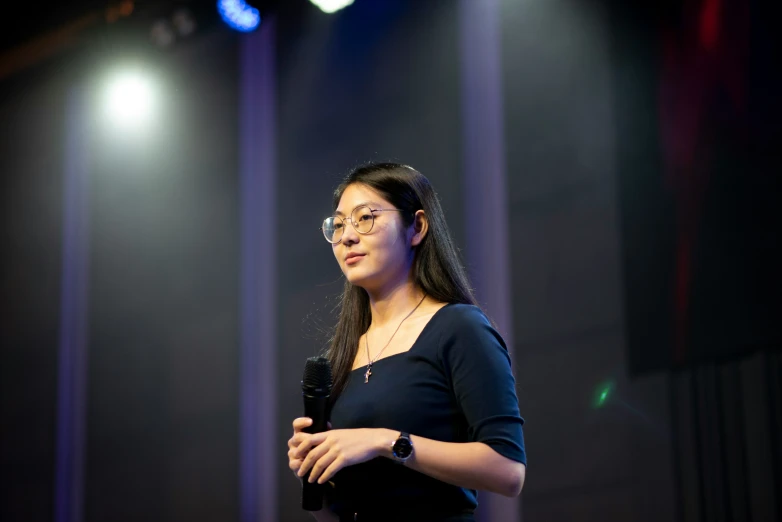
(421, 334)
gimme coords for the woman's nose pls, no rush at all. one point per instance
(349, 234)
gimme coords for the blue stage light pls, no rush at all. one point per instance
(238, 15)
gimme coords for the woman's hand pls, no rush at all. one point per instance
(294, 462)
(328, 452)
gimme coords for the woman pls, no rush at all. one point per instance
(424, 408)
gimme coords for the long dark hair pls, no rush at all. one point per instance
(437, 269)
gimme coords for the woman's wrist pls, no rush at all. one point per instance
(384, 441)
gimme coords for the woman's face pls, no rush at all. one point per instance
(380, 258)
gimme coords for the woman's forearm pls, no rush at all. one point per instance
(471, 465)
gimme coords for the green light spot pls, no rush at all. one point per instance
(602, 394)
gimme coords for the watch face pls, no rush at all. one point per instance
(403, 448)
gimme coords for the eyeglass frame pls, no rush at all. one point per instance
(352, 222)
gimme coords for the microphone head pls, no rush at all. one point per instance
(317, 377)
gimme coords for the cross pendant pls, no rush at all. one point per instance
(367, 374)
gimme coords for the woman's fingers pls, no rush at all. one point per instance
(322, 464)
(301, 423)
(312, 456)
(298, 425)
(295, 464)
(297, 439)
(299, 444)
(303, 449)
(329, 472)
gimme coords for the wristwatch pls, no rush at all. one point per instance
(402, 448)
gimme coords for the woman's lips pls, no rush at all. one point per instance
(352, 258)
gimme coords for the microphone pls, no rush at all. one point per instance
(316, 389)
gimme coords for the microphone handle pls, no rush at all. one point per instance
(316, 408)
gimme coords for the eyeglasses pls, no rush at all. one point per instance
(362, 218)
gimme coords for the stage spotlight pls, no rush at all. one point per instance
(331, 6)
(130, 99)
(238, 15)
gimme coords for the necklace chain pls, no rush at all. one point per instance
(368, 373)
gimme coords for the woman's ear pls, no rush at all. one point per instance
(420, 227)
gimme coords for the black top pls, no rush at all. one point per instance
(453, 385)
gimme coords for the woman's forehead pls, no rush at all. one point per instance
(356, 195)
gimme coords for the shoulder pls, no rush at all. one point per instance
(460, 311)
(464, 326)
(460, 317)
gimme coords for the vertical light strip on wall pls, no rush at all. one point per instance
(72, 365)
(257, 114)
(487, 248)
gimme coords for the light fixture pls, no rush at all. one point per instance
(238, 15)
(130, 99)
(331, 6)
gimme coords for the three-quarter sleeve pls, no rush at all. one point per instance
(477, 362)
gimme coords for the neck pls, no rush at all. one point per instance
(389, 306)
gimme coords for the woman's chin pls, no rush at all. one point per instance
(358, 278)
(355, 280)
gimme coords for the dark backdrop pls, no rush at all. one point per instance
(30, 230)
(697, 114)
(592, 239)
(162, 391)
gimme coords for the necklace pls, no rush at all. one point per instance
(368, 373)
